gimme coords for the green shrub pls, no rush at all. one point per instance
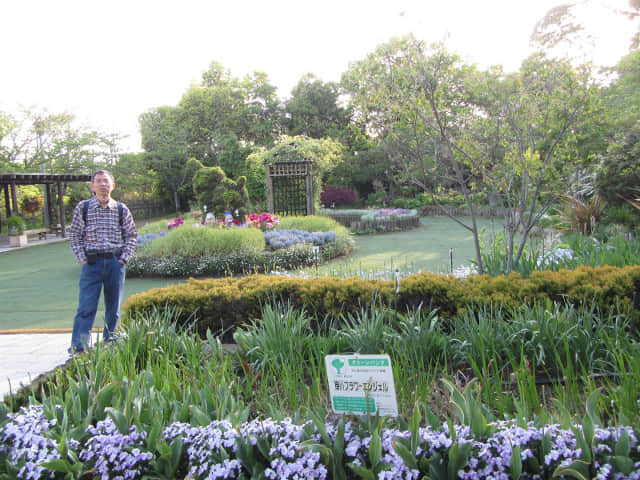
(225, 302)
(15, 224)
(622, 215)
(196, 242)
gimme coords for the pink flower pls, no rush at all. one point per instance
(174, 222)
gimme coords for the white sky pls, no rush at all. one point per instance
(108, 61)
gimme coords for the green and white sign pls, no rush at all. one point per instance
(361, 384)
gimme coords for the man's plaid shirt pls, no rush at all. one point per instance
(102, 233)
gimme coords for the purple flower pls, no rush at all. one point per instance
(25, 442)
(114, 455)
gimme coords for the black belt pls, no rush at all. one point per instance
(115, 253)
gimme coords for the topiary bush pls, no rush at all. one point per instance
(219, 193)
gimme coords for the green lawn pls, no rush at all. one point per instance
(426, 249)
(39, 285)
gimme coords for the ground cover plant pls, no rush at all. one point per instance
(166, 403)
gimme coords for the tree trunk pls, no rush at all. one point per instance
(176, 200)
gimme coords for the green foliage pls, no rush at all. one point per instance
(256, 173)
(15, 225)
(280, 338)
(618, 178)
(222, 252)
(234, 300)
(615, 250)
(624, 215)
(206, 241)
(164, 139)
(314, 109)
(325, 154)
(581, 215)
(311, 223)
(219, 193)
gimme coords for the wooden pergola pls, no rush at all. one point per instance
(10, 180)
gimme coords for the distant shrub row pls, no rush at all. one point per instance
(222, 303)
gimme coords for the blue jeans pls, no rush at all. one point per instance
(107, 272)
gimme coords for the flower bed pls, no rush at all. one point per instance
(31, 443)
(220, 248)
(376, 221)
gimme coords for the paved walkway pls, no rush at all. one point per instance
(25, 356)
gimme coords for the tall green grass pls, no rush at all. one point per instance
(206, 241)
(529, 363)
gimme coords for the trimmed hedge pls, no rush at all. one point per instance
(223, 303)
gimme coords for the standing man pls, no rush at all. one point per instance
(103, 238)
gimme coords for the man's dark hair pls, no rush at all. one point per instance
(102, 172)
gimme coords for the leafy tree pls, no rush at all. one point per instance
(618, 180)
(37, 139)
(438, 118)
(262, 113)
(135, 180)
(224, 117)
(7, 125)
(618, 175)
(314, 111)
(164, 139)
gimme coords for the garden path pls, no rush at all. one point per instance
(25, 356)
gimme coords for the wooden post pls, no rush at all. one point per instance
(309, 185)
(48, 217)
(14, 200)
(271, 203)
(7, 204)
(61, 205)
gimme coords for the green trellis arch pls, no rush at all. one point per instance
(290, 187)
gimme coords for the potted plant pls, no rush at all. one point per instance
(17, 237)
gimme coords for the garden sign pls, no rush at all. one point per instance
(361, 384)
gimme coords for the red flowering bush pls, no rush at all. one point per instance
(31, 203)
(264, 221)
(335, 197)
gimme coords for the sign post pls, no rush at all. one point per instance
(361, 384)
